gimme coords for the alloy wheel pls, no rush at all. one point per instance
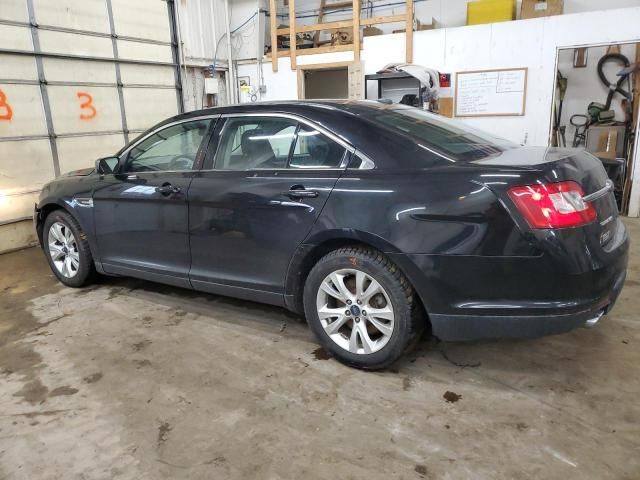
(63, 250)
(355, 311)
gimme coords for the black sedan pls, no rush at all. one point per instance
(374, 221)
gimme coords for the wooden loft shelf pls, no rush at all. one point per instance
(383, 19)
(355, 23)
(318, 27)
(337, 5)
(343, 24)
(313, 51)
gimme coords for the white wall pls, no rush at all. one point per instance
(201, 25)
(244, 42)
(202, 29)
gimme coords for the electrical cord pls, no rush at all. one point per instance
(614, 86)
(215, 55)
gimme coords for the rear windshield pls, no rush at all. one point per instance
(455, 140)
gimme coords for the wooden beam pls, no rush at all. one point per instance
(324, 66)
(628, 186)
(300, 82)
(337, 5)
(292, 33)
(318, 26)
(313, 51)
(274, 34)
(356, 30)
(408, 32)
(383, 19)
(316, 36)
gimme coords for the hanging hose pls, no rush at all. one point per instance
(617, 86)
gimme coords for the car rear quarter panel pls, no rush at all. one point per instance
(436, 224)
(432, 211)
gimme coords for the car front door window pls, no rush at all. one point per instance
(171, 149)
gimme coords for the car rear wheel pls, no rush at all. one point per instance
(362, 308)
(67, 249)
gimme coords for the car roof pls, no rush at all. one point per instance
(352, 107)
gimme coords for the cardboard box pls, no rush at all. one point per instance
(445, 106)
(490, 11)
(606, 141)
(541, 8)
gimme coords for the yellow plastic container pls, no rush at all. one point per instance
(490, 11)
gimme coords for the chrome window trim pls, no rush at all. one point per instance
(159, 129)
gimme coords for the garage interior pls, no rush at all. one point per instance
(131, 379)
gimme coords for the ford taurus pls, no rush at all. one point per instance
(373, 221)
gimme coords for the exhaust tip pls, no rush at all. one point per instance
(593, 321)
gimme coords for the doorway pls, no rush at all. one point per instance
(338, 80)
(324, 84)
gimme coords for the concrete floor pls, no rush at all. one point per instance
(128, 379)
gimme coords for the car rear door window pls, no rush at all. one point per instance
(170, 149)
(315, 150)
(255, 143)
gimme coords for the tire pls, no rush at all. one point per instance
(382, 336)
(67, 250)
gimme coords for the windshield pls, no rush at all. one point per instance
(451, 138)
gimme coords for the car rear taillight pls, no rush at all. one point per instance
(553, 205)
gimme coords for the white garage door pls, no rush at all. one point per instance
(78, 78)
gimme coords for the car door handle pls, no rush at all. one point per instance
(167, 189)
(301, 193)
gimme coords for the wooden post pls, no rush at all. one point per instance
(292, 32)
(273, 19)
(356, 30)
(408, 31)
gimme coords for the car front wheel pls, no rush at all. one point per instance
(67, 249)
(362, 308)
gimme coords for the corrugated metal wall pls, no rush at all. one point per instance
(78, 78)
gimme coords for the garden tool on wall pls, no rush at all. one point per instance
(600, 114)
(580, 123)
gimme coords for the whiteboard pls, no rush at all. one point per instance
(491, 92)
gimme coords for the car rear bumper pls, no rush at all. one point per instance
(450, 327)
(477, 297)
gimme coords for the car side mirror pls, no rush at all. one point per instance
(106, 165)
